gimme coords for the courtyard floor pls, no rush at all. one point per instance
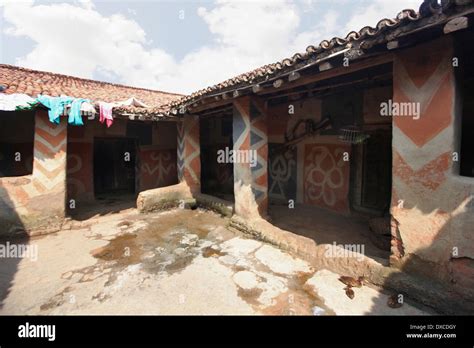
(174, 262)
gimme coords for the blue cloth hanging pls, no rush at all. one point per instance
(75, 112)
(55, 105)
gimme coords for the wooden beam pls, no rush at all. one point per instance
(353, 67)
(220, 111)
(256, 88)
(205, 106)
(278, 83)
(392, 44)
(311, 91)
(456, 24)
(325, 66)
(294, 75)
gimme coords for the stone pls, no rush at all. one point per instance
(272, 286)
(159, 250)
(220, 233)
(189, 240)
(245, 279)
(148, 255)
(179, 251)
(228, 260)
(240, 246)
(207, 243)
(66, 275)
(280, 262)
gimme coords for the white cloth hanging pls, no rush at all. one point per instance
(9, 102)
(131, 102)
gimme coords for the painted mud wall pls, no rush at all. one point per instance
(37, 201)
(156, 161)
(314, 167)
(432, 205)
(189, 152)
(249, 130)
(314, 171)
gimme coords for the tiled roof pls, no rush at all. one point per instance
(352, 40)
(34, 82)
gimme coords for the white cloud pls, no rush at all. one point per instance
(325, 29)
(76, 39)
(378, 9)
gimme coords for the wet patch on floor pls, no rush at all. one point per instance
(299, 299)
(211, 251)
(250, 296)
(168, 243)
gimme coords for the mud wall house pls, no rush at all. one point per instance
(363, 141)
(48, 170)
(402, 181)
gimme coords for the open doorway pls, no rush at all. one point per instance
(372, 174)
(114, 167)
(217, 172)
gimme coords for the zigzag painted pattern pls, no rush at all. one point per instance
(49, 170)
(422, 147)
(180, 161)
(189, 165)
(259, 142)
(250, 133)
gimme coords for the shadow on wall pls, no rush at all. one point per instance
(12, 233)
(443, 276)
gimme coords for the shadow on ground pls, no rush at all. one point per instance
(12, 231)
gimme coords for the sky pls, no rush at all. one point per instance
(174, 46)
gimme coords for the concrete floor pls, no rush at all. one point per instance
(174, 262)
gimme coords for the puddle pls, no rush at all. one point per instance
(250, 295)
(169, 242)
(210, 251)
(298, 300)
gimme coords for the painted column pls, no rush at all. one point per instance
(49, 163)
(189, 152)
(250, 140)
(429, 199)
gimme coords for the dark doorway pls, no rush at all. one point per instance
(114, 166)
(372, 173)
(17, 131)
(217, 175)
(465, 84)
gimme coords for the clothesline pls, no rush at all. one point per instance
(74, 108)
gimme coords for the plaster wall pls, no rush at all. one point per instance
(37, 201)
(432, 205)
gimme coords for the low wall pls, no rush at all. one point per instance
(165, 198)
